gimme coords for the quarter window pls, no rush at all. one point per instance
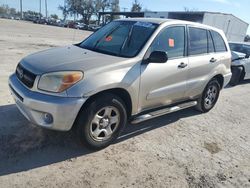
(219, 43)
(172, 41)
(197, 41)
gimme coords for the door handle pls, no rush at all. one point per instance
(182, 65)
(213, 60)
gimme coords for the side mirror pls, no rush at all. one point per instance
(158, 57)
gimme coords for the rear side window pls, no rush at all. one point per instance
(197, 41)
(219, 43)
(172, 41)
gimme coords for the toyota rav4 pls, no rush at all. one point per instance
(129, 70)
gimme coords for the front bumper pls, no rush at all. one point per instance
(52, 112)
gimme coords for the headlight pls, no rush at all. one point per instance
(59, 81)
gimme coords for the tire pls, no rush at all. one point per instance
(209, 96)
(236, 75)
(101, 121)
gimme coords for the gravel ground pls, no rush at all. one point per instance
(184, 149)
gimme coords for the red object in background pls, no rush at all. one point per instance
(108, 39)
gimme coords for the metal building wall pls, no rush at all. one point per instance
(234, 28)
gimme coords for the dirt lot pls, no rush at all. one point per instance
(184, 149)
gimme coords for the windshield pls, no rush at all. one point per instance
(120, 38)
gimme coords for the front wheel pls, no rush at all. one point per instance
(209, 96)
(101, 122)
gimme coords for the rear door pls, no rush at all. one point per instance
(165, 83)
(202, 60)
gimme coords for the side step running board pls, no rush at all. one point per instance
(164, 111)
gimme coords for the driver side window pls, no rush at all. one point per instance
(172, 41)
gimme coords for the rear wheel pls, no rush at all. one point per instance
(209, 96)
(101, 122)
(237, 73)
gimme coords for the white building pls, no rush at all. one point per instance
(234, 28)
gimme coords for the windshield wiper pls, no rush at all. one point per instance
(127, 40)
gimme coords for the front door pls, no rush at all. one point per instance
(165, 83)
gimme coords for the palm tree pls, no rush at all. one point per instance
(64, 10)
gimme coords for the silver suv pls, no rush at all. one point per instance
(131, 69)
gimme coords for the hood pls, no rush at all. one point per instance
(237, 55)
(67, 58)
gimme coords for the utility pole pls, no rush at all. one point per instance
(40, 9)
(46, 9)
(21, 8)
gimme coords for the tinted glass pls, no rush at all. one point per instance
(219, 43)
(172, 41)
(120, 38)
(210, 43)
(197, 41)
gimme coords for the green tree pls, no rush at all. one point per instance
(85, 8)
(12, 11)
(101, 5)
(64, 10)
(136, 6)
(54, 16)
(115, 7)
(247, 38)
(4, 9)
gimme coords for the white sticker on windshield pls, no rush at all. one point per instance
(144, 24)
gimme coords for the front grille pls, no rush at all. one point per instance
(25, 76)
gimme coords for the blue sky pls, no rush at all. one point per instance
(240, 8)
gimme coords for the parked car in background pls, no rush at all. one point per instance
(240, 67)
(71, 24)
(129, 70)
(93, 27)
(41, 21)
(81, 26)
(241, 47)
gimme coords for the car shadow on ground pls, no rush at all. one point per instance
(243, 82)
(24, 146)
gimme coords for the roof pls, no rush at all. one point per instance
(151, 20)
(127, 14)
(173, 21)
(163, 20)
